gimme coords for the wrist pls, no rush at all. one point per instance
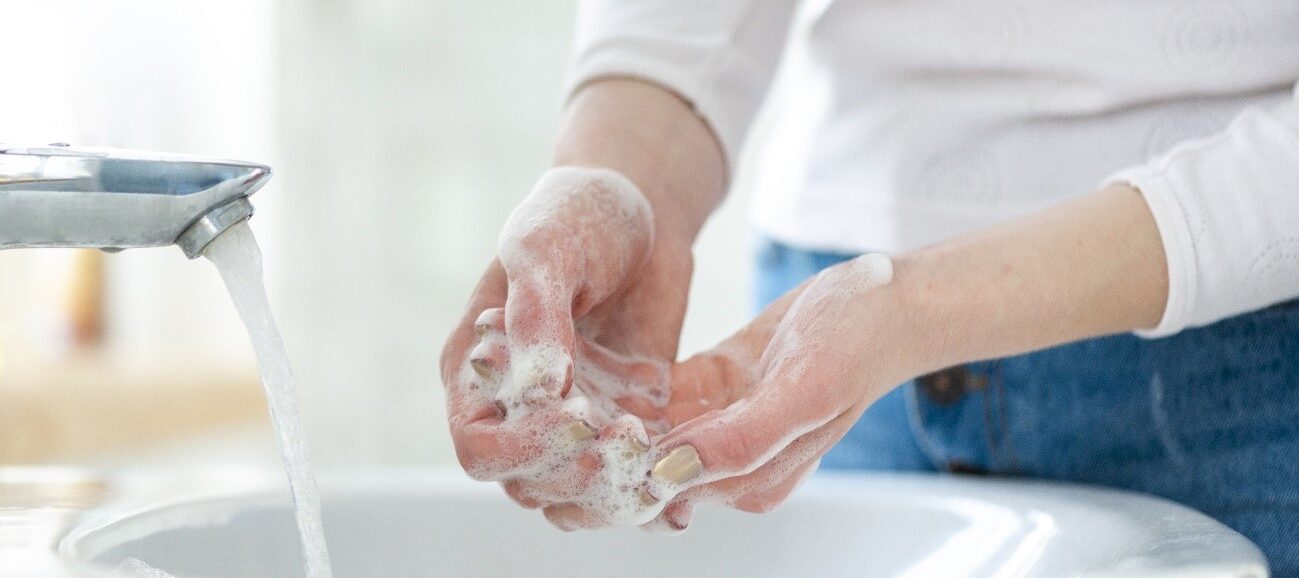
(1092, 266)
(922, 326)
(652, 137)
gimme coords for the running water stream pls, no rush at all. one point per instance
(237, 256)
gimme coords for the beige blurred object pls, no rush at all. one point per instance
(89, 405)
(4, 347)
(83, 298)
(66, 310)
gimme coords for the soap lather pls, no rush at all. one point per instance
(62, 196)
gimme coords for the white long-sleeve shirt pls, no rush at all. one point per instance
(905, 122)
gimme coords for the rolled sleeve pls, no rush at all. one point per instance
(719, 56)
(1227, 209)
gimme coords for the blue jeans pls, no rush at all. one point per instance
(1208, 417)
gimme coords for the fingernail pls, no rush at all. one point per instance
(481, 367)
(580, 431)
(478, 359)
(646, 498)
(489, 319)
(635, 449)
(679, 466)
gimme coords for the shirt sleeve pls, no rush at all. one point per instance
(719, 55)
(1227, 209)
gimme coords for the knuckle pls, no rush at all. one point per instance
(738, 452)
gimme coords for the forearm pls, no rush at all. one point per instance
(655, 138)
(1092, 266)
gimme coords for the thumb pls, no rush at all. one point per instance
(733, 441)
(567, 247)
(541, 337)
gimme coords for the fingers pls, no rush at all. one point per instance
(490, 320)
(541, 338)
(569, 517)
(674, 518)
(807, 380)
(604, 489)
(490, 293)
(471, 409)
(490, 357)
(491, 449)
(515, 490)
(705, 382)
(769, 485)
(573, 242)
(637, 385)
(717, 378)
(767, 500)
(732, 442)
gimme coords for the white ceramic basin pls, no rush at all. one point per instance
(414, 524)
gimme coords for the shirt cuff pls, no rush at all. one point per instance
(1179, 250)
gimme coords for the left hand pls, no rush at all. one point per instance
(757, 412)
(789, 385)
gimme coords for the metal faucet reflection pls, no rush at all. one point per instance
(62, 196)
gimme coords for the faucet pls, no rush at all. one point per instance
(63, 196)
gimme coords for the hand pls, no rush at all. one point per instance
(757, 412)
(585, 293)
(824, 352)
(598, 290)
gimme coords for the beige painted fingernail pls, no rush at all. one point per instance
(580, 431)
(646, 498)
(679, 466)
(481, 330)
(635, 449)
(481, 367)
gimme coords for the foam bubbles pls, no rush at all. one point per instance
(137, 567)
(583, 449)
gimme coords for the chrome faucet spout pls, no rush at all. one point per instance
(61, 196)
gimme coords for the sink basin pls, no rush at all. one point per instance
(423, 523)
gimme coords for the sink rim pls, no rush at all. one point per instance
(1232, 554)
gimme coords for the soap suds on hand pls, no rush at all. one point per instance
(587, 226)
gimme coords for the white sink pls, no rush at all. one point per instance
(413, 524)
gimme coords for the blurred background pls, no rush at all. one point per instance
(402, 132)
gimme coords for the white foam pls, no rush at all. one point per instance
(582, 202)
(521, 388)
(600, 222)
(613, 493)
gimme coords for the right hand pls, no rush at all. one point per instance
(583, 275)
